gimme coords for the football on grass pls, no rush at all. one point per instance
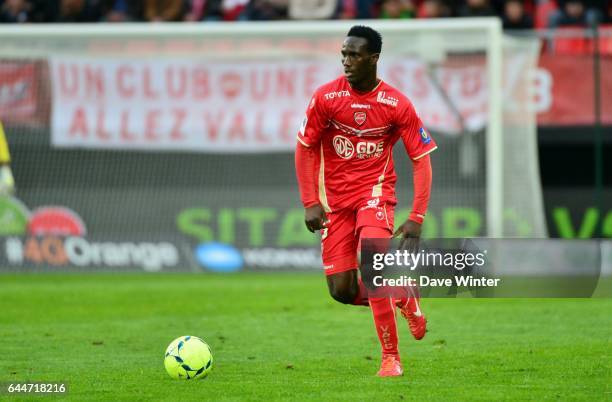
(188, 357)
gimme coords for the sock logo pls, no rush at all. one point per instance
(386, 337)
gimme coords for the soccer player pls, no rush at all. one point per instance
(346, 176)
(7, 183)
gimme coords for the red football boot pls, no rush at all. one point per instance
(390, 367)
(416, 319)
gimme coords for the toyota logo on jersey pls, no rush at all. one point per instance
(344, 147)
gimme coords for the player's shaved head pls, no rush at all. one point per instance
(360, 53)
(373, 37)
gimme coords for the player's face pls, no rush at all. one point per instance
(359, 64)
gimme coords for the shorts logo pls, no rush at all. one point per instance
(344, 147)
(360, 117)
(425, 138)
(373, 203)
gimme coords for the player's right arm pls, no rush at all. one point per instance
(7, 183)
(306, 158)
(305, 161)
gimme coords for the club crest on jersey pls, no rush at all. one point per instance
(360, 117)
(344, 147)
(425, 138)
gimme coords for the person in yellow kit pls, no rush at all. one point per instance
(7, 183)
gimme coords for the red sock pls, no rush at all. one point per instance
(383, 310)
(362, 296)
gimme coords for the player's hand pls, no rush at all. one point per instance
(7, 183)
(410, 233)
(314, 217)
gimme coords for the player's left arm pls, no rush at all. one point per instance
(419, 145)
(421, 178)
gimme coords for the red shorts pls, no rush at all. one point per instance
(340, 238)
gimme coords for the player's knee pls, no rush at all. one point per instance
(343, 295)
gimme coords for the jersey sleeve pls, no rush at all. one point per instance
(314, 122)
(416, 138)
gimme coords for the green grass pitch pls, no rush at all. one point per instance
(280, 336)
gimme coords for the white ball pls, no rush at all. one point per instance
(188, 357)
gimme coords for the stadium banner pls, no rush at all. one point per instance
(437, 267)
(19, 86)
(188, 105)
(560, 100)
(573, 213)
(223, 233)
(58, 238)
(153, 230)
(75, 253)
(75, 234)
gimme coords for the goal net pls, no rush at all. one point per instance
(187, 131)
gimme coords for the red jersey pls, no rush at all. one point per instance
(355, 133)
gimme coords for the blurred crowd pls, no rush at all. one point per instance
(515, 14)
